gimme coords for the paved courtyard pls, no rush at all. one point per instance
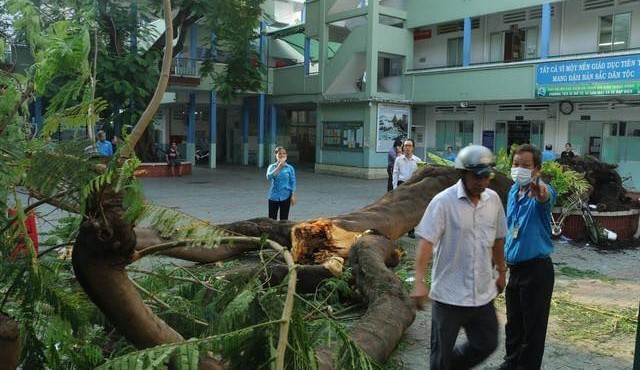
(586, 279)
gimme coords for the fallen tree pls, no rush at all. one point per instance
(107, 243)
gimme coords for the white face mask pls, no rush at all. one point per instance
(521, 176)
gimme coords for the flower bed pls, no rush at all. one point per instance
(161, 169)
(623, 223)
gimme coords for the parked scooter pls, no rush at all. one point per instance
(202, 156)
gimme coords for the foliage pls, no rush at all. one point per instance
(60, 327)
(178, 225)
(563, 180)
(503, 160)
(439, 160)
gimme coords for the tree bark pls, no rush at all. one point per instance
(9, 343)
(390, 310)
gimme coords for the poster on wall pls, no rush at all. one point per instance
(393, 122)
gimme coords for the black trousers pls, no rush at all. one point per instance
(528, 300)
(282, 205)
(389, 178)
(479, 323)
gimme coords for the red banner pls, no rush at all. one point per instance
(422, 34)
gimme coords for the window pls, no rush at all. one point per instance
(454, 52)
(453, 133)
(614, 32)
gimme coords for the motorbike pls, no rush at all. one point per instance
(202, 156)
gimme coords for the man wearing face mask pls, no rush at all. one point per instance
(527, 253)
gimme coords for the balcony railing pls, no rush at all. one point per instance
(535, 60)
(186, 67)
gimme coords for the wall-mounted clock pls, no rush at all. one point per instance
(566, 107)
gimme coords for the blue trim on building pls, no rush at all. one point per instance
(191, 119)
(213, 117)
(273, 118)
(37, 114)
(133, 13)
(245, 121)
(466, 43)
(545, 37)
(307, 55)
(193, 46)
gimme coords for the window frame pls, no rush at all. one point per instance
(611, 45)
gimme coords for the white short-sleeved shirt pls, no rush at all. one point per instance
(463, 236)
(403, 168)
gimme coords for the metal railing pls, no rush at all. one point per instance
(186, 67)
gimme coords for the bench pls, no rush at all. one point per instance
(161, 169)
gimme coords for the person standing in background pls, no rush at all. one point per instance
(395, 150)
(173, 160)
(547, 154)
(404, 166)
(103, 147)
(451, 156)
(568, 151)
(282, 193)
(114, 143)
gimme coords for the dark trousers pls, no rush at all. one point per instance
(282, 205)
(528, 299)
(412, 231)
(390, 178)
(479, 323)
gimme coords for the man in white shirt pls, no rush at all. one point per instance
(463, 229)
(405, 164)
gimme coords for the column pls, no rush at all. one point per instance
(190, 154)
(133, 13)
(545, 32)
(193, 49)
(213, 129)
(272, 140)
(466, 43)
(261, 100)
(37, 115)
(307, 55)
(245, 132)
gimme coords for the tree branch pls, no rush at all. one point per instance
(25, 95)
(163, 81)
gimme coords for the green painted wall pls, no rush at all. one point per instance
(313, 19)
(393, 40)
(428, 12)
(350, 112)
(291, 80)
(507, 83)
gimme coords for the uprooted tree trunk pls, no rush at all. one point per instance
(607, 189)
(9, 343)
(106, 244)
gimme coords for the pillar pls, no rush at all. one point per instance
(190, 154)
(466, 43)
(213, 129)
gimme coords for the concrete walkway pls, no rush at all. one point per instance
(231, 193)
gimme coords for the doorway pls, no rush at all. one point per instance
(585, 137)
(519, 132)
